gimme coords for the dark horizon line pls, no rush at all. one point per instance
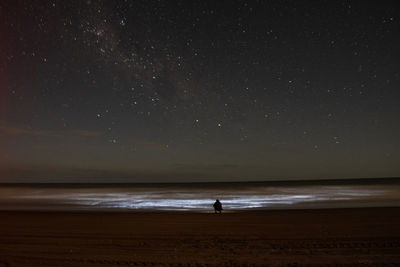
(374, 180)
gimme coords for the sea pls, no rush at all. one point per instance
(199, 197)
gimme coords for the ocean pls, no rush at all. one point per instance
(200, 197)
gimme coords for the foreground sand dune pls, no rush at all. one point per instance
(337, 237)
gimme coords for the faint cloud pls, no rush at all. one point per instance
(148, 144)
(48, 133)
(88, 133)
(20, 131)
(156, 145)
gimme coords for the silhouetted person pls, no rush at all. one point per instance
(217, 206)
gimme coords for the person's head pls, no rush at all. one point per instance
(217, 200)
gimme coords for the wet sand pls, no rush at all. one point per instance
(335, 237)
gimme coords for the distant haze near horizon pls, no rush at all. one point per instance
(193, 91)
(66, 175)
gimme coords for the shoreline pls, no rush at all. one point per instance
(210, 211)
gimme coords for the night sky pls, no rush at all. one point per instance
(182, 91)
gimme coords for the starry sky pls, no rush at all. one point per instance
(183, 91)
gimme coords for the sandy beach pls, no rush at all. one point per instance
(335, 237)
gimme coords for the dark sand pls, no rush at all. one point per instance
(337, 237)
